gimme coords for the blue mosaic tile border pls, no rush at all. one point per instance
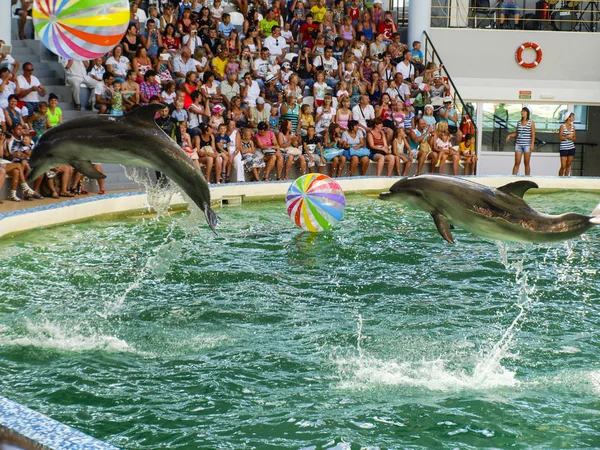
(43, 432)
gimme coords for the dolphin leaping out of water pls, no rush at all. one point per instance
(133, 139)
(499, 214)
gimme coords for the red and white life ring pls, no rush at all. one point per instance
(538, 53)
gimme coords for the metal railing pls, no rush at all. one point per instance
(553, 15)
(431, 55)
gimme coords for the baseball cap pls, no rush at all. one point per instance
(422, 86)
(447, 99)
(260, 101)
(269, 78)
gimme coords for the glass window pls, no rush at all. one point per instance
(581, 117)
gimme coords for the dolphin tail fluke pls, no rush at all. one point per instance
(211, 217)
(595, 219)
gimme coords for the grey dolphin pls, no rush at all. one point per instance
(133, 139)
(499, 214)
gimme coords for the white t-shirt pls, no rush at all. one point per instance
(405, 70)
(120, 67)
(261, 67)
(367, 113)
(195, 43)
(274, 45)
(330, 66)
(9, 62)
(24, 84)
(9, 90)
(252, 94)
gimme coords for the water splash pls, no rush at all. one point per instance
(49, 335)
(157, 265)
(159, 193)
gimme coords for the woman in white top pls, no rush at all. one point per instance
(325, 114)
(235, 159)
(118, 63)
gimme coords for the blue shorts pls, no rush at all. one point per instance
(566, 153)
(522, 148)
(510, 9)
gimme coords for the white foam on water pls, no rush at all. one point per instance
(366, 372)
(48, 335)
(594, 378)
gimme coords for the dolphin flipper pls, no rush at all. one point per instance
(87, 168)
(211, 217)
(518, 188)
(443, 225)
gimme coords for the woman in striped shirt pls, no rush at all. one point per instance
(524, 142)
(566, 136)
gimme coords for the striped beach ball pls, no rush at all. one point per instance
(80, 29)
(315, 202)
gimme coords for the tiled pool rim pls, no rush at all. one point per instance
(21, 427)
(123, 203)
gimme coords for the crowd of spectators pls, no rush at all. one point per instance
(320, 84)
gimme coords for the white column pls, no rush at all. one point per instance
(419, 20)
(5, 20)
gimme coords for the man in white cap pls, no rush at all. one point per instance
(260, 113)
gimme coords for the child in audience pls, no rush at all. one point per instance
(169, 94)
(253, 160)
(274, 120)
(342, 90)
(306, 120)
(313, 150)
(222, 141)
(217, 118)
(180, 115)
(117, 107)
(186, 144)
(467, 152)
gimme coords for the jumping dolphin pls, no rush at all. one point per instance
(499, 214)
(133, 139)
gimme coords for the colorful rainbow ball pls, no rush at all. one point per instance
(315, 202)
(80, 29)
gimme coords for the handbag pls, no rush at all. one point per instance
(360, 152)
(330, 153)
(292, 151)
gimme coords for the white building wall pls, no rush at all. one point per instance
(483, 66)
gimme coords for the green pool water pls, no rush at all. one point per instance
(154, 333)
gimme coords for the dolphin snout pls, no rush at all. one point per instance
(385, 195)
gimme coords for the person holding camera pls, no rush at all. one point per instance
(192, 40)
(151, 39)
(302, 66)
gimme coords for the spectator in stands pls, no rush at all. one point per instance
(266, 141)
(308, 32)
(23, 12)
(141, 63)
(289, 143)
(170, 39)
(509, 7)
(13, 114)
(15, 170)
(467, 152)
(54, 112)
(7, 86)
(118, 63)
(213, 44)
(184, 24)
(363, 113)
(259, 113)
(401, 151)
(131, 42)
(38, 122)
(137, 15)
(290, 110)
(192, 40)
(406, 68)
(252, 159)
(210, 89)
(219, 63)
(149, 87)
(151, 39)
(267, 24)
(182, 65)
(230, 88)
(103, 94)
(388, 28)
(30, 89)
(449, 114)
(417, 57)
(354, 141)
(131, 91)
(168, 17)
(76, 75)
(379, 147)
(419, 143)
(275, 43)
(6, 60)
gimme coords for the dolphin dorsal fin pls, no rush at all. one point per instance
(145, 113)
(518, 188)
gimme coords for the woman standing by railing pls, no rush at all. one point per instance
(566, 136)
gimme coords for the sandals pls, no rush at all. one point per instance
(55, 195)
(33, 195)
(100, 192)
(66, 194)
